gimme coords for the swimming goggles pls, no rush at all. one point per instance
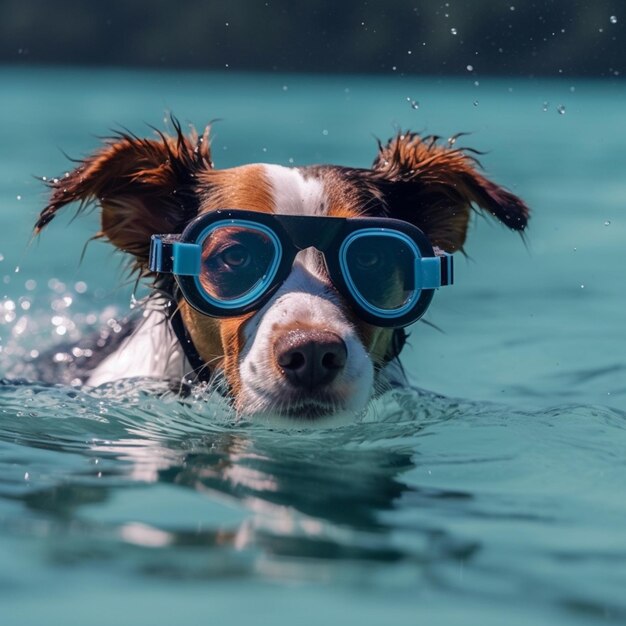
(230, 262)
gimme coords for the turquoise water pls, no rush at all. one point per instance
(495, 497)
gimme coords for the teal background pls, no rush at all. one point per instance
(500, 501)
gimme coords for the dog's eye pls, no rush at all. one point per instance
(236, 256)
(369, 260)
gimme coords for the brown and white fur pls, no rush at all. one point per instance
(147, 186)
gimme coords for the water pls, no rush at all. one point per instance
(506, 506)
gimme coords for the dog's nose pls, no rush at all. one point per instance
(310, 358)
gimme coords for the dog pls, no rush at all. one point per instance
(288, 288)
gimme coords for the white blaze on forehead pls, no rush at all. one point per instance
(305, 300)
(293, 193)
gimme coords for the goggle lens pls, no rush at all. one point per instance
(381, 270)
(237, 262)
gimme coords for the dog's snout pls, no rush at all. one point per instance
(310, 358)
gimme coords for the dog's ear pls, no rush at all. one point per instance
(435, 187)
(143, 186)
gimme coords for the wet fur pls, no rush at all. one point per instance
(147, 186)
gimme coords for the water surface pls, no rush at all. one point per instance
(495, 497)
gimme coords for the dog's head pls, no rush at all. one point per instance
(305, 352)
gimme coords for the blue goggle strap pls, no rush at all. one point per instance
(170, 256)
(437, 271)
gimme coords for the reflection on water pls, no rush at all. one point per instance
(305, 493)
(429, 491)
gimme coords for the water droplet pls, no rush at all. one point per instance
(561, 109)
(454, 31)
(613, 19)
(607, 222)
(470, 68)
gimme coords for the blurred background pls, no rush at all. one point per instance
(503, 37)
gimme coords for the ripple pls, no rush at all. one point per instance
(171, 488)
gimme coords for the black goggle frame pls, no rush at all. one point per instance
(180, 254)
